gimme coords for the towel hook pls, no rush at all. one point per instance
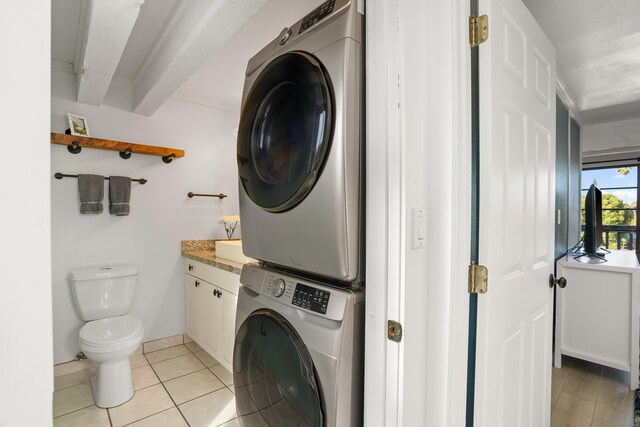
(126, 154)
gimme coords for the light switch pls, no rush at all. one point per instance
(418, 226)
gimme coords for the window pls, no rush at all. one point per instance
(619, 187)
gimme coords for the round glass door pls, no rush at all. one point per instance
(273, 374)
(285, 131)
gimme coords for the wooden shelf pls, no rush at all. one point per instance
(107, 144)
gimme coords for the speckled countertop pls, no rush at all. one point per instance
(205, 252)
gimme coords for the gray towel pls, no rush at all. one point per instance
(119, 195)
(91, 192)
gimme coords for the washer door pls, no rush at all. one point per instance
(273, 374)
(285, 131)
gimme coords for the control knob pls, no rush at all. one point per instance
(278, 288)
(284, 35)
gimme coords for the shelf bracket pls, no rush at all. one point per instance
(168, 159)
(74, 148)
(126, 154)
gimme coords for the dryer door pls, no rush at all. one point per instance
(273, 374)
(285, 130)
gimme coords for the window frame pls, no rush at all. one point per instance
(637, 208)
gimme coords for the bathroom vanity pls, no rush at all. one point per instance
(211, 294)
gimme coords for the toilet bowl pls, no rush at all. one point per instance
(109, 343)
(103, 298)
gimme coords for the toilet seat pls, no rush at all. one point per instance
(111, 334)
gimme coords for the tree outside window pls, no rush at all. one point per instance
(619, 204)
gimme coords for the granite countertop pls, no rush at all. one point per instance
(205, 252)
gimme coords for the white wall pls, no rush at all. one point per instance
(418, 156)
(26, 372)
(610, 141)
(161, 213)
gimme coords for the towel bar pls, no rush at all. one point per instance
(219, 196)
(59, 175)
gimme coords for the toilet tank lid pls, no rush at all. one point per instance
(104, 272)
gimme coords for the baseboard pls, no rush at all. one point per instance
(146, 347)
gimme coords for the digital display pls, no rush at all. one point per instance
(311, 298)
(317, 14)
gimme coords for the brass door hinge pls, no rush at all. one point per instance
(478, 275)
(478, 30)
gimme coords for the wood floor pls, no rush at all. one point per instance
(584, 394)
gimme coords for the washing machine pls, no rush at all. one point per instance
(298, 357)
(300, 153)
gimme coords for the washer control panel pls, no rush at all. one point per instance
(316, 15)
(311, 298)
(278, 287)
(295, 292)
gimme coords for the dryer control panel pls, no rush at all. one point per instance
(316, 15)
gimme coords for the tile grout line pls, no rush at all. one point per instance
(175, 405)
(208, 368)
(76, 410)
(144, 388)
(190, 351)
(109, 414)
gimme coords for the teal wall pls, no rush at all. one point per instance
(575, 174)
(568, 172)
(562, 179)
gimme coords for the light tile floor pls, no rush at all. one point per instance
(176, 386)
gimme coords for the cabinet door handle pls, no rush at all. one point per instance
(190, 267)
(197, 283)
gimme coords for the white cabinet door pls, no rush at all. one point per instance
(229, 302)
(211, 323)
(193, 307)
(211, 310)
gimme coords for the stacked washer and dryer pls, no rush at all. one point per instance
(298, 354)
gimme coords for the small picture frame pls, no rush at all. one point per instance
(78, 125)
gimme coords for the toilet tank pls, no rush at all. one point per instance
(103, 292)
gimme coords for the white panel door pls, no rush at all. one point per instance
(517, 158)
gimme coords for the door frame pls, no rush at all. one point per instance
(424, 289)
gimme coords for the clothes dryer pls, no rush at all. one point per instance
(300, 154)
(298, 358)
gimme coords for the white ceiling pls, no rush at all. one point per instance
(218, 82)
(598, 54)
(597, 42)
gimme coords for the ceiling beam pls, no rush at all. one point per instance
(198, 29)
(105, 27)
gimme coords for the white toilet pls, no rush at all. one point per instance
(103, 298)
